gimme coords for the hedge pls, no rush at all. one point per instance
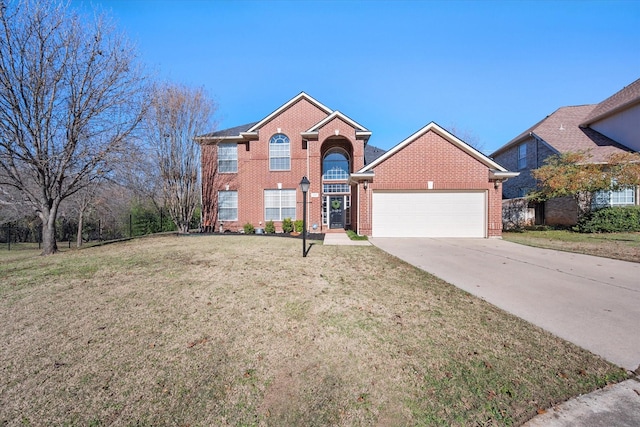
(610, 220)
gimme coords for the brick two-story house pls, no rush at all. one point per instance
(602, 129)
(430, 184)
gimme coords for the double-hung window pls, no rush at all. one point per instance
(279, 153)
(622, 197)
(228, 157)
(279, 204)
(522, 156)
(227, 205)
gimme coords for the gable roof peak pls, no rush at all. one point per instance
(434, 127)
(286, 105)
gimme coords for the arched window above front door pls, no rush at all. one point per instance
(335, 166)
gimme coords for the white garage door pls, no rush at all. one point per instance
(429, 214)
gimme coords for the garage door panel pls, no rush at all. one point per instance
(429, 214)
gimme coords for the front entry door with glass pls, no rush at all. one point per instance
(336, 212)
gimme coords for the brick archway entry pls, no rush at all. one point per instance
(336, 167)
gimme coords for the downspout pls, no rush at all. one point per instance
(307, 175)
(358, 219)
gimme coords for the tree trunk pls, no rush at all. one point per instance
(80, 225)
(48, 217)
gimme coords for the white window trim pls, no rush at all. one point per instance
(236, 205)
(228, 160)
(288, 156)
(280, 206)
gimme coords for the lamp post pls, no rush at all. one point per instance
(304, 186)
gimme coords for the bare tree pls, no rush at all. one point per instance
(177, 115)
(466, 135)
(71, 95)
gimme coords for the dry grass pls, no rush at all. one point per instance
(241, 330)
(622, 246)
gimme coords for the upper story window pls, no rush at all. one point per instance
(335, 166)
(279, 153)
(228, 157)
(522, 156)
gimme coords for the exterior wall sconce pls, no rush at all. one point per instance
(366, 185)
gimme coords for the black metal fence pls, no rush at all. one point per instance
(29, 231)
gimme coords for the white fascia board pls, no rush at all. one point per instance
(288, 104)
(341, 116)
(309, 135)
(432, 126)
(502, 175)
(363, 134)
(357, 177)
(249, 135)
(217, 139)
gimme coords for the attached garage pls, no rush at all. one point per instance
(429, 214)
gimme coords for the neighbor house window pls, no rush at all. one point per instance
(228, 158)
(227, 205)
(622, 197)
(279, 153)
(279, 204)
(522, 156)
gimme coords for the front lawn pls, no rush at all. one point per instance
(623, 246)
(242, 330)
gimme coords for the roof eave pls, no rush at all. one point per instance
(209, 140)
(363, 135)
(357, 177)
(249, 136)
(497, 175)
(610, 113)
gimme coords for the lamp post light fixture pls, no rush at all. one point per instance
(304, 186)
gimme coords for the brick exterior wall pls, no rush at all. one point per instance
(537, 152)
(254, 176)
(429, 158)
(561, 211)
(432, 158)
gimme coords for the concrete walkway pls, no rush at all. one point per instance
(593, 302)
(341, 239)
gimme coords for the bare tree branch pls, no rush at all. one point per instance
(71, 96)
(177, 115)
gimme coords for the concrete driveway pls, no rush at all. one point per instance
(593, 302)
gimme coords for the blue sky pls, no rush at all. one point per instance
(491, 69)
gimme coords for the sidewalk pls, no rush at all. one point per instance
(341, 239)
(616, 405)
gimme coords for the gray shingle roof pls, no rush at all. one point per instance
(371, 153)
(234, 131)
(561, 130)
(626, 97)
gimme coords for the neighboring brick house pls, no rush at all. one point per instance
(430, 184)
(601, 129)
